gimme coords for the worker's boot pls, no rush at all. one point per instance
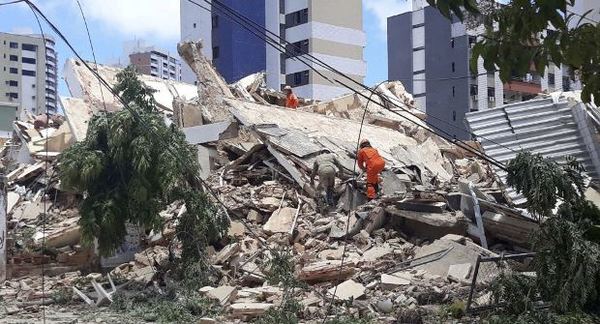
(329, 198)
(371, 192)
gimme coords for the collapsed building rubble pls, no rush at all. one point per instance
(414, 247)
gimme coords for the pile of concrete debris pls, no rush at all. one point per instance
(414, 248)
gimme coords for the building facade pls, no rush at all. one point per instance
(330, 30)
(157, 64)
(430, 54)
(28, 73)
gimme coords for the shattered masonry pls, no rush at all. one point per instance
(414, 247)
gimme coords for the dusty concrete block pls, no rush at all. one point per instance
(348, 290)
(254, 216)
(392, 282)
(223, 294)
(249, 309)
(280, 221)
(236, 229)
(227, 253)
(459, 272)
(376, 252)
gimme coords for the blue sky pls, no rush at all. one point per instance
(113, 22)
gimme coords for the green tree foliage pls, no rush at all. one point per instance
(526, 33)
(567, 262)
(127, 175)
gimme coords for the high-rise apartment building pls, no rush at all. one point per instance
(330, 30)
(430, 54)
(157, 64)
(28, 73)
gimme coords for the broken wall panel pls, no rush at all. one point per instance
(550, 127)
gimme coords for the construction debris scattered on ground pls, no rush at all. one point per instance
(414, 248)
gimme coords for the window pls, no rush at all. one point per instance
(454, 115)
(215, 21)
(14, 71)
(14, 58)
(216, 52)
(452, 43)
(28, 60)
(12, 83)
(551, 80)
(33, 97)
(298, 79)
(28, 73)
(473, 90)
(194, 25)
(453, 91)
(14, 45)
(281, 6)
(453, 67)
(13, 95)
(153, 61)
(297, 48)
(491, 92)
(29, 47)
(296, 18)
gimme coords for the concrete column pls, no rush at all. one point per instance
(558, 78)
(272, 24)
(482, 85)
(499, 88)
(544, 80)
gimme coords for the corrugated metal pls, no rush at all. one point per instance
(537, 126)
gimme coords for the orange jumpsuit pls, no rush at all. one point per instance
(291, 101)
(369, 160)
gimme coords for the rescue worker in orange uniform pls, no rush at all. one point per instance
(372, 163)
(291, 101)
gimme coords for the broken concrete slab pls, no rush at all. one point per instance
(422, 206)
(249, 309)
(348, 290)
(224, 294)
(390, 282)
(12, 199)
(210, 132)
(457, 253)
(427, 225)
(459, 272)
(322, 271)
(78, 114)
(227, 253)
(515, 230)
(376, 253)
(280, 221)
(236, 229)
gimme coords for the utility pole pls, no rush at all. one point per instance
(3, 231)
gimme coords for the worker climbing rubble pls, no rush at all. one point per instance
(291, 101)
(326, 166)
(372, 163)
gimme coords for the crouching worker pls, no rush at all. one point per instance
(326, 166)
(372, 163)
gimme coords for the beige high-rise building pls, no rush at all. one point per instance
(28, 73)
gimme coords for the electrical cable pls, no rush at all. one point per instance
(204, 184)
(350, 208)
(93, 52)
(11, 2)
(196, 180)
(228, 11)
(448, 136)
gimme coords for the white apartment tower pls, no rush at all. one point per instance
(330, 30)
(28, 73)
